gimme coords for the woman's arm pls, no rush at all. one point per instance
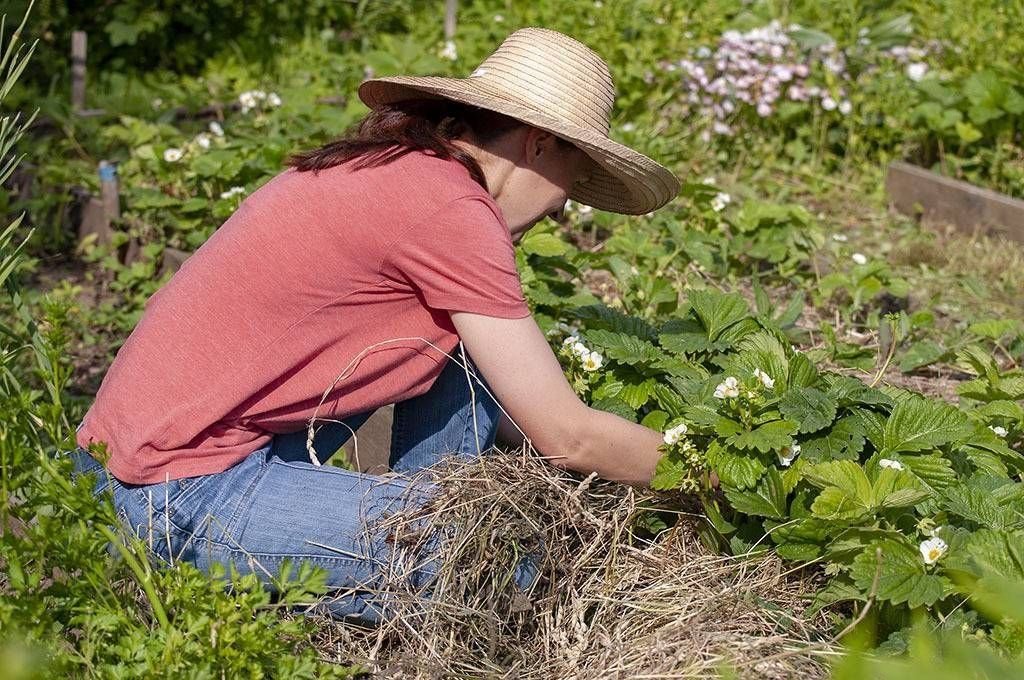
(525, 375)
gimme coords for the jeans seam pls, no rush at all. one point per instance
(234, 551)
(397, 432)
(377, 480)
(244, 498)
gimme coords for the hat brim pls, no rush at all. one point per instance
(623, 180)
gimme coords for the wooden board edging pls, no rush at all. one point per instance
(971, 209)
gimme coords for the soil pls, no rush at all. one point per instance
(89, 360)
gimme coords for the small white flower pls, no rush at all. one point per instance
(933, 549)
(584, 209)
(729, 388)
(580, 350)
(498, 18)
(764, 109)
(787, 454)
(157, 103)
(628, 127)
(720, 200)
(935, 531)
(828, 103)
(765, 379)
(173, 155)
(203, 140)
(891, 464)
(859, 258)
(216, 129)
(703, 52)
(998, 429)
(917, 71)
(233, 191)
(274, 99)
(710, 181)
(592, 361)
(450, 52)
(674, 434)
(842, 238)
(250, 99)
(845, 107)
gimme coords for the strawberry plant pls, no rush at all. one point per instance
(895, 494)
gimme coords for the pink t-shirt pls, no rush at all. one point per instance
(315, 276)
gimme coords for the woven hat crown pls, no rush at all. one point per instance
(552, 74)
(555, 83)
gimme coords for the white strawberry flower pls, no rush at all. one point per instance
(933, 549)
(173, 155)
(216, 129)
(841, 238)
(917, 71)
(592, 361)
(729, 388)
(674, 434)
(828, 103)
(891, 464)
(859, 258)
(248, 100)
(580, 350)
(765, 379)
(571, 340)
(787, 454)
(720, 200)
(274, 99)
(450, 52)
(845, 107)
(203, 140)
(233, 191)
(998, 429)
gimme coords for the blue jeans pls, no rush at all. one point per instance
(276, 506)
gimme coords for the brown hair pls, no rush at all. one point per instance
(391, 131)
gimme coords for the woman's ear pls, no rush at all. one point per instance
(538, 142)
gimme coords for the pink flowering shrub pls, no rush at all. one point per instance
(757, 70)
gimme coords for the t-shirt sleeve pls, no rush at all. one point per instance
(461, 258)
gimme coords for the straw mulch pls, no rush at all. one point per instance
(605, 604)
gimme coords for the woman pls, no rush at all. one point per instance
(346, 283)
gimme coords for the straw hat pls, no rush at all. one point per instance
(555, 83)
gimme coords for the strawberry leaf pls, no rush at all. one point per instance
(901, 575)
(917, 424)
(811, 408)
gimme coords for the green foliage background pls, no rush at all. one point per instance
(775, 279)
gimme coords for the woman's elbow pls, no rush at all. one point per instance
(569, 448)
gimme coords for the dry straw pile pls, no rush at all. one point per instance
(605, 604)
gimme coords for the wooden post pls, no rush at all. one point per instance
(450, 9)
(98, 213)
(78, 47)
(110, 190)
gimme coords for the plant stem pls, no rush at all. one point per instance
(140, 575)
